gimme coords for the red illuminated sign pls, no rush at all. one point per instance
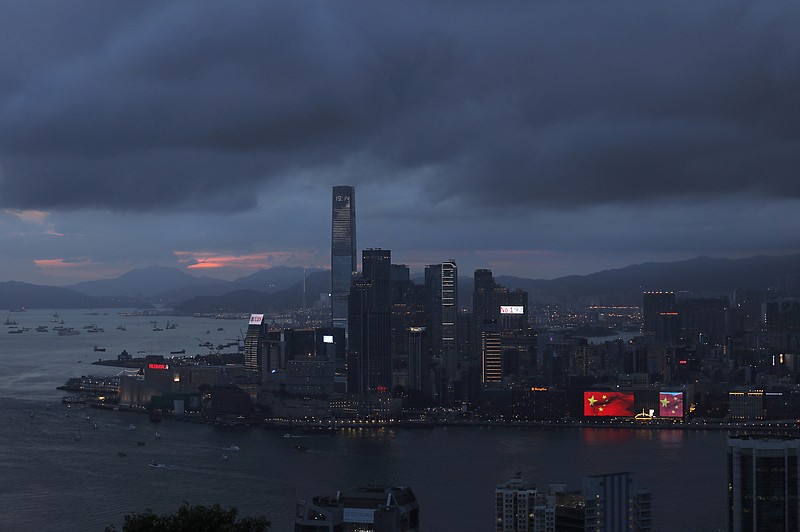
(158, 366)
(615, 404)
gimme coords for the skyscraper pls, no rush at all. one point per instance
(369, 367)
(653, 304)
(255, 347)
(343, 252)
(763, 484)
(441, 285)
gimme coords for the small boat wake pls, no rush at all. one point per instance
(158, 465)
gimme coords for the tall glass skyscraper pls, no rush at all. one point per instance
(343, 252)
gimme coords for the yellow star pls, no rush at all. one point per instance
(664, 402)
(605, 396)
(592, 400)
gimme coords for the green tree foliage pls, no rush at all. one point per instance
(197, 518)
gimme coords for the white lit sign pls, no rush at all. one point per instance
(506, 309)
(256, 319)
(327, 339)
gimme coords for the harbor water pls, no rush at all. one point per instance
(79, 468)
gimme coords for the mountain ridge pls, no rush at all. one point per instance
(282, 287)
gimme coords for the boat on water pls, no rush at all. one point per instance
(299, 448)
(96, 348)
(179, 352)
(42, 328)
(224, 456)
(77, 437)
(131, 427)
(68, 331)
(15, 331)
(156, 464)
(121, 328)
(232, 447)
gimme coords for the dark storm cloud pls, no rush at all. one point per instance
(194, 105)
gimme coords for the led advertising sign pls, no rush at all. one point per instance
(508, 309)
(611, 404)
(670, 404)
(327, 338)
(157, 366)
(256, 319)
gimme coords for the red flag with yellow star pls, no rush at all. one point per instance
(671, 404)
(616, 404)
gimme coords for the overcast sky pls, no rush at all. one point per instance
(537, 139)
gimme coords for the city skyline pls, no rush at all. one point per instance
(537, 140)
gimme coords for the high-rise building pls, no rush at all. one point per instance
(605, 503)
(369, 367)
(441, 285)
(343, 252)
(256, 348)
(616, 502)
(491, 354)
(653, 304)
(763, 484)
(520, 507)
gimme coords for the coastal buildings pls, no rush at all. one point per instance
(763, 484)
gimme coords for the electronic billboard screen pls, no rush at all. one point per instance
(512, 309)
(256, 319)
(612, 404)
(670, 404)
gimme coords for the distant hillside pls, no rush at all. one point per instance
(15, 295)
(698, 275)
(281, 288)
(256, 301)
(169, 286)
(144, 283)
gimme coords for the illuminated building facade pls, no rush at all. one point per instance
(491, 354)
(763, 484)
(441, 286)
(343, 252)
(255, 346)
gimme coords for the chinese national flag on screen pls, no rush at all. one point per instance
(671, 404)
(607, 404)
